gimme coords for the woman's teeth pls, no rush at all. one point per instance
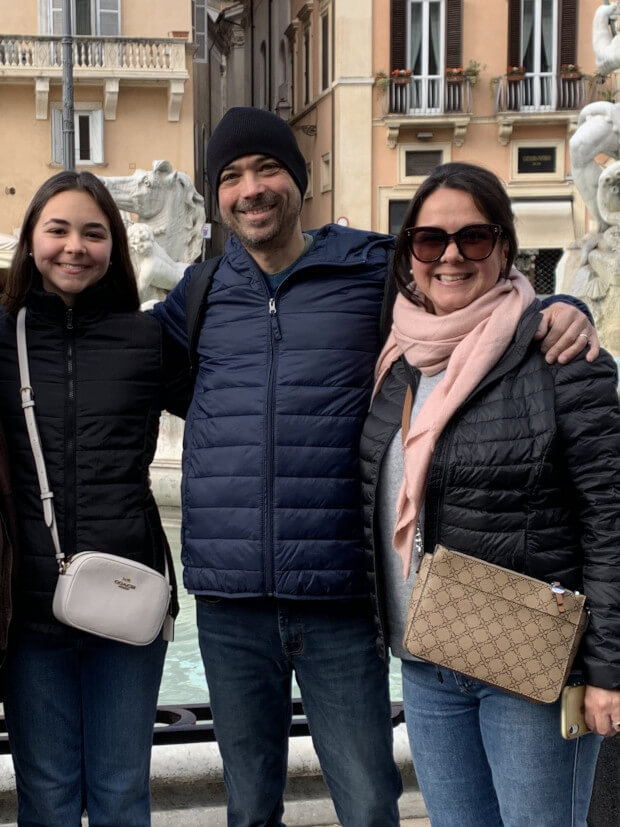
(460, 277)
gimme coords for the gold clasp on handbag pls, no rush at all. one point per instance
(558, 592)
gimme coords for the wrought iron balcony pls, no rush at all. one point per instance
(429, 101)
(540, 92)
(427, 95)
(108, 60)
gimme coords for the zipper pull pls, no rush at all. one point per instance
(69, 318)
(273, 315)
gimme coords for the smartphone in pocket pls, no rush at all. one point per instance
(573, 721)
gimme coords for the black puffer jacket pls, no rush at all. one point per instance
(99, 388)
(525, 475)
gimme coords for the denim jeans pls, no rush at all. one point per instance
(250, 648)
(80, 712)
(483, 756)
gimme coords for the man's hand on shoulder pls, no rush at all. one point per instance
(564, 331)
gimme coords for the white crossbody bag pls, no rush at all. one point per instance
(99, 593)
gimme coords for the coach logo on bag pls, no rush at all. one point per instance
(125, 583)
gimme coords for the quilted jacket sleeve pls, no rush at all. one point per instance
(172, 313)
(588, 422)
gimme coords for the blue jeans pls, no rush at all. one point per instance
(250, 648)
(80, 712)
(483, 756)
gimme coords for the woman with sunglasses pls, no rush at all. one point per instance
(506, 458)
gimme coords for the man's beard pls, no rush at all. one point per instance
(260, 239)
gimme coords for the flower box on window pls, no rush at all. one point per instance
(515, 73)
(401, 76)
(455, 75)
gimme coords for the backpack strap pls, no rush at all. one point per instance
(196, 305)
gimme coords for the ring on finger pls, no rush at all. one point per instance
(585, 336)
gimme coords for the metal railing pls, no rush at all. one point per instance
(25, 54)
(433, 95)
(193, 723)
(540, 92)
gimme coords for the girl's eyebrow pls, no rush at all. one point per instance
(90, 225)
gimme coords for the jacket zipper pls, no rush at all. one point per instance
(70, 475)
(274, 340)
(378, 590)
(274, 337)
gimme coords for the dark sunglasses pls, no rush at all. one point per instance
(474, 242)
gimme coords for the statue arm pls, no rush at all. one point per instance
(597, 133)
(606, 46)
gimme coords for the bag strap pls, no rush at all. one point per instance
(27, 400)
(196, 305)
(405, 423)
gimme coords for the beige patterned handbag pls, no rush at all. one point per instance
(494, 625)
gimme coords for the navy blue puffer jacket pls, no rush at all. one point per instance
(271, 500)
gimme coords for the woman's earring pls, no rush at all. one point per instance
(30, 254)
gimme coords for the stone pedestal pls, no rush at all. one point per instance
(166, 467)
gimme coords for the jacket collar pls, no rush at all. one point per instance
(333, 246)
(93, 301)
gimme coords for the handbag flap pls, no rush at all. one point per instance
(509, 585)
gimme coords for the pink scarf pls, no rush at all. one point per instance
(468, 342)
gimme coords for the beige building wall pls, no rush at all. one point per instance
(352, 124)
(136, 126)
(482, 142)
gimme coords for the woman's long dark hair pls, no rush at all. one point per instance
(23, 274)
(489, 196)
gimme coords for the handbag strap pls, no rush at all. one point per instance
(406, 418)
(27, 400)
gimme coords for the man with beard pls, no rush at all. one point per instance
(271, 499)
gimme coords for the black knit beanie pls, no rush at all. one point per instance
(247, 131)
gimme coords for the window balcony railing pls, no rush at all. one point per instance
(27, 56)
(427, 95)
(540, 92)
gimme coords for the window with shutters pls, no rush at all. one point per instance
(88, 17)
(542, 35)
(88, 126)
(539, 52)
(426, 36)
(425, 27)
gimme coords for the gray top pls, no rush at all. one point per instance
(397, 589)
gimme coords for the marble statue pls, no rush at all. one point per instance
(156, 272)
(168, 202)
(590, 268)
(8, 243)
(598, 126)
